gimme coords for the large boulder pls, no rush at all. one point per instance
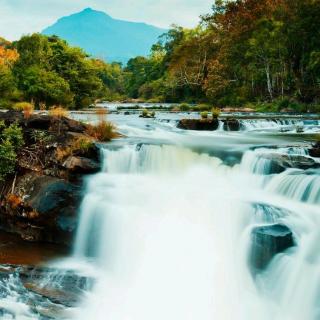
(268, 241)
(43, 209)
(199, 124)
(81, 165)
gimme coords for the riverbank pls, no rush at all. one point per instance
(42, 188)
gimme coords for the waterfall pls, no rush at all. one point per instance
(298, 185)
(154, 222)
(170, 235)
(279, 124)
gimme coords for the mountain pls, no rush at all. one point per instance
(104, 37)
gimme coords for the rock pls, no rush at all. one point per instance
(315, 150)
(48, 292)
(231, 125)
(40, 202)
(267, 242)
(45, 210)
(39, 122)
(10, 117)
(199, 124)
(281, 162)
(82, 165)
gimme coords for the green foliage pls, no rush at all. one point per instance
(243, 52)
(7, 159)
(50, 72)
(11, 139)
(184, 107)
(203, 107)
(204, 114)
(41, 137)
(145, 113)
(12, 134)
(215, 113)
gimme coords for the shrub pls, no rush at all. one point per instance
(58, 112)
(215, 113)
(204, 115)
(26, 107)
(8, 158)
(13, 134)
(145, 113)
(83, 144)
(184, 107)
(152, 114)
(11, 139)
(104, 131)
(203, 107)
(195, 109)
(41, 137)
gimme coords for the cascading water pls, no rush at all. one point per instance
(170, 233)
(166, 230)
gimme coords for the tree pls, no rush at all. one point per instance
(46, 87)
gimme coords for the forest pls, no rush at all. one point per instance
(245, 53)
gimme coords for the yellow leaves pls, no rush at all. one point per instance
(8, 56)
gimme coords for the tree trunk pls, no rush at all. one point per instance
(269, 83)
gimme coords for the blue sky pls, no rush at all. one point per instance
(19, 17)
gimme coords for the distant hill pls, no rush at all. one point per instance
(104, 37)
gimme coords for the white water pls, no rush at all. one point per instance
(171, 237)
(166, 231)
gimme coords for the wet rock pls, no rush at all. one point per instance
(81, 165)
(55, 295)
(281, 162)
(199, 124)
(231, 125)
(49, 293)
(315, 150)
(268, 241)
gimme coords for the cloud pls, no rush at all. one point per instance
(19, 17)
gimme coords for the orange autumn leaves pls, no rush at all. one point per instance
(7, 55)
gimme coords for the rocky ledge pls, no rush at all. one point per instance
(281, 162)
(40, 200)
(199, 124)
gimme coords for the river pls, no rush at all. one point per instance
(166, 228)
